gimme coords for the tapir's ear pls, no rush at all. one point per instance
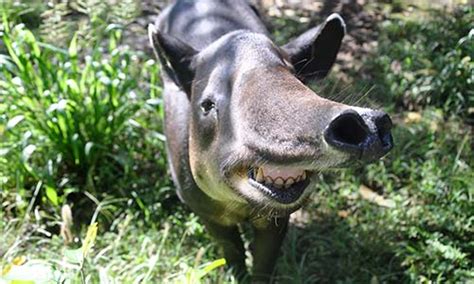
(175, 57)
(314, 52)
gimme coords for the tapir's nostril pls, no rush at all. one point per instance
(383, 124)
(369, 137)
(347, 132)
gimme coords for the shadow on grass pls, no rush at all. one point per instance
(331, 250)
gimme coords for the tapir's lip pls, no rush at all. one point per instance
(282, 195)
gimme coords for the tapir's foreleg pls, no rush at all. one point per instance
(229, 239)
(269, 235)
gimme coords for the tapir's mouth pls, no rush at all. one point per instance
(284, 185)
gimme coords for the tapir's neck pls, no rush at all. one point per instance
(201, 22)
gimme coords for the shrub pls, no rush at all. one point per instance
(428, 61)
(74, 124)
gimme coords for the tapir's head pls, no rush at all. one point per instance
(257, 133)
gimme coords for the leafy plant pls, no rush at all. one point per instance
(428, 61)
(65, 116)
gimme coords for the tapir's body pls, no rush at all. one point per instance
(243, 132)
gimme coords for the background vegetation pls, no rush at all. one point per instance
(82, 144)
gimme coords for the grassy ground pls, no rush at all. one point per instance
(81, 143)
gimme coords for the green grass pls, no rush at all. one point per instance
(425, 235)
(80, 124)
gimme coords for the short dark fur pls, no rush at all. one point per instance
(234, 100)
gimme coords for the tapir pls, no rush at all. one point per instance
(245, 134)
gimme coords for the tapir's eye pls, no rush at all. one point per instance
(207, 105)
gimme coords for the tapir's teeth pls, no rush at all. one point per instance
(289, 182)
(268, 180)
(259, 177)
(278, 183)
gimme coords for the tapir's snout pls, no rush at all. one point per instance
(367, 135)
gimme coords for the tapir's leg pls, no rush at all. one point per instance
(228, 237)
(269, 235)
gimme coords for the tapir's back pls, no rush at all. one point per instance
(201, 22)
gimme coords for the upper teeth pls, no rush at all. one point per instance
(278, 182)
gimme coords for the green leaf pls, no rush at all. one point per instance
(88, 147)
(154, 102)
(213, 265)
(5, 61)
(90, 239)
(52, 195)
(31, 40)
(72, 51)
(27, 152)
(8, 44)
(14, 121)
(74, 256)
(22, 282)
(73, 86)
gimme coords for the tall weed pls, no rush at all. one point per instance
(66, 113)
